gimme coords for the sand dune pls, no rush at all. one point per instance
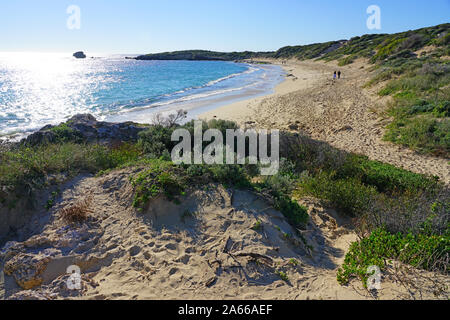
(206, 248)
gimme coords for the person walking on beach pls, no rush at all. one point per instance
(334, 76)
(339, 74)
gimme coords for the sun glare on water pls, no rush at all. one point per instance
(42, 87)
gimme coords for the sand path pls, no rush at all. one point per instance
(341, 113)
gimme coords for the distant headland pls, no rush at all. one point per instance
(365, 46)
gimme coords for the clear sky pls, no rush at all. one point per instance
(144, 26)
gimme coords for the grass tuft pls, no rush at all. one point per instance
(77, 212)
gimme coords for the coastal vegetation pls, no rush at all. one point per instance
(423, 251)
(25, 168)
(400, 215)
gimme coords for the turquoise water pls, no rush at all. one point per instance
(38, 89)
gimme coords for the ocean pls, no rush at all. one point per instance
(37, 89)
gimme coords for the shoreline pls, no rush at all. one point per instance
(210, 102)
(195, 103)
(297, 77)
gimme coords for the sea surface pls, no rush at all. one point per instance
(48, 88)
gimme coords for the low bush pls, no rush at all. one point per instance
(30, 165)
(158, 177)
(346, 61)
(421, 251)
(66, 134)
(424, 134)
(407, 213)
(156, 141)
(349, 195)
(385, 177)
(296, 214)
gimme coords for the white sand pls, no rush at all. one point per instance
(211, 253)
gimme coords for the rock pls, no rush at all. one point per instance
(86, 128)
(29, 295)
(56, 290)
(11, 249)
(293, 127)
(79, 55)
(41, 137)
(27, 269)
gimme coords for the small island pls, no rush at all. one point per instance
(79, 55)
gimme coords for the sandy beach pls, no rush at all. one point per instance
(342, 113)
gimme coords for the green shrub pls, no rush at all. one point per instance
(387, 48)
(222, 125)
(423, 134)
(421, 251)
(29, 165)
(385, 177)
(162, 177)
(442, 41)
(421, 107)
(349, 195)
(257, 226)
(66, 134)
(159, 177)
(229, 175)
(441, 110)
(279, 183)
(280, 187)
(346, 61)
(156, 140)
(296, 214)
(283, 276)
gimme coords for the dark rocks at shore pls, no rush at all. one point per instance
(79, 55)
(86, 128)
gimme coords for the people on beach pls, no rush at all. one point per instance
(339, 74)
(334, 76)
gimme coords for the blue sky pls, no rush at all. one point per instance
(142, 26)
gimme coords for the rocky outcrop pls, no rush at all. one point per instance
(44, 258)
(86, 128)
(27, 269)
(79, 55)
